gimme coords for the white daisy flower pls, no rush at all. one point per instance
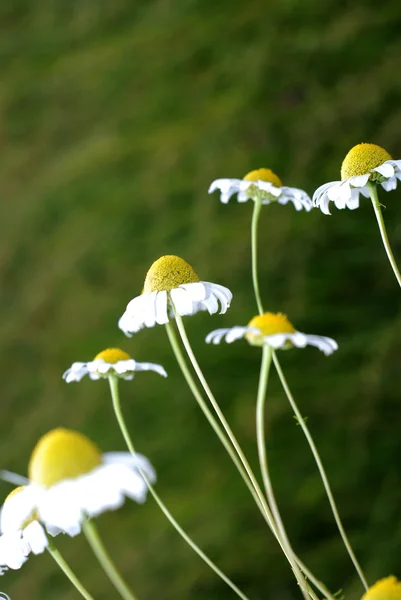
(71, 480)
(172, 281)
(274, 330)
(112, 361)
(364, 164)
(261, 185)
(22, 533)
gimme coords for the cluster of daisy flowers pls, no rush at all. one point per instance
(70, 481)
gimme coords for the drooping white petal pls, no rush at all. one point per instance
(358, 181)
(35, 536)
(196, 290)
(20, 507)
(160, 307)
(59, 507)
(14, 550)
(139, 461)
(182, 301)
(230, 334)
(386, 170)
(221, 293)
(147, 366)
(227, 188)
(325, 344)
(75, 372)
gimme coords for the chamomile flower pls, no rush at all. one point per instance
(275, 330)
(22, 533)
(261, 185)
(71, 480)
(171, 281)
(364, 164)
(388, 588)
(112, 361)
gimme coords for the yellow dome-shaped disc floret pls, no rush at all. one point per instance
(264, 175)
(167, 273)
(112, 355)
(361, 159)
(268, 324)
(62, 454)
(388, 588)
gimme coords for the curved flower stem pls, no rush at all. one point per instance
(65, 567)
(322, 471)
(380, 221)
(213, 401)
(257, 205)
(92, 535)
(124, 430)
(242, 465)
(261, 441)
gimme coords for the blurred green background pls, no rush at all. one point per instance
(114, 119)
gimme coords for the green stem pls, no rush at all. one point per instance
(322, 471)
(261, 442)
(104, 559)
(65, 567)
(257, 205)
(262, 501)
(124, 430)
(246, 473)
(378, 212)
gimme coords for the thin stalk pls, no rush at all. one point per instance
(322, 471)
(65, 567)
(228, 429)
(261, 442)
(124, 430)
(250, 481)
(257, 205)
(95, 542)
(383, 232)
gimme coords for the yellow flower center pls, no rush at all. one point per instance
(62, 454)
(32, 517)
(361, 159)
(269, 324)
(264, 175)
(167, 273)
(384, 589)
(112, 355)
(272, 323)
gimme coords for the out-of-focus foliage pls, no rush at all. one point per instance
(114, 119)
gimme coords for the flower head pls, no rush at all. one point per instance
(71, 480)
(172, 282)
(275, 330)
(363, 165)
(112, 361)
(22, 533)
(261, 185)
(384, 589)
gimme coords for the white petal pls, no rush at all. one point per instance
(358, 181)
(325, 344)
(13, 550)
(277, 340)
(139, 461)
(161, 314)
(146, 366)
(227, 187)
(182, 301)
(75, 372)
(230, 334)
(60, 507)
(19, 508)
(197, 290)
(35, 536)
(390, 184)
(386, 170)
(267, 186)
(221, 293)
